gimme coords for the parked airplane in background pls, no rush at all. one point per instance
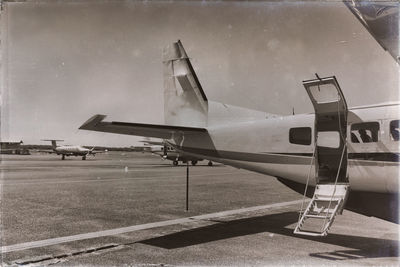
(341, 157)
(66, 151)
(162, 149)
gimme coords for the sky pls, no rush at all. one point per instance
(67, 61)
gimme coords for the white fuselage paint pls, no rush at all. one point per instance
(72, 150)
(271, 135)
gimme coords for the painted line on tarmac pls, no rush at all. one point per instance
(117, 231)
(152, 178)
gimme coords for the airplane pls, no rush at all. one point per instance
(67, 150)
(338, 156)
(165, 151)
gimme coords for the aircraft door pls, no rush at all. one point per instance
(330, 129)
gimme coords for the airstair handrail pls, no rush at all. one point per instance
(308, 180)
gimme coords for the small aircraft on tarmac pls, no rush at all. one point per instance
(162, 149)
(341, 157)
(67, 150)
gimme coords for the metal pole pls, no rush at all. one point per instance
(187, 186)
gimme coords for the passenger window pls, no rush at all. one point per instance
(366, 132)
(394, 130)
(300, 135)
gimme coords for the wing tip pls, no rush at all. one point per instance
(92, 122)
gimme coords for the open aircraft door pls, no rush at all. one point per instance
(330, 157)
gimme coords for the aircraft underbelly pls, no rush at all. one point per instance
(71, 153)
(364, 175)
(382, 178)
(372, 176)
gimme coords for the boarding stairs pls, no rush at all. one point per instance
(329, 158)
(327, 202)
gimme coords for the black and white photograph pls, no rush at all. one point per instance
(199, 133)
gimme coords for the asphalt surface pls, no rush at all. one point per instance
(121, 209)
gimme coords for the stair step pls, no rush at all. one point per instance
(318, 216)
(310, 233)
(330, 189)
(328, 198)
(327, 202)
(321, 211)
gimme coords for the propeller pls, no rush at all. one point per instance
(165, 152)
(90, 152)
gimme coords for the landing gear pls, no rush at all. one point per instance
(210, 163)
(194, 162)
(63, 157)
(84, 158)
(175, 162)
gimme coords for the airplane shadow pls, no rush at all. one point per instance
(359, 247)
(155, 165)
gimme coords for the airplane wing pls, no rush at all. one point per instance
(97, 152)
(381, 19)
(96, 123)
(92, 151)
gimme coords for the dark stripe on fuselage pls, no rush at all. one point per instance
(289, 158)
(245, 156)
(375, 156)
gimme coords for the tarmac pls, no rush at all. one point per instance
(129, 208)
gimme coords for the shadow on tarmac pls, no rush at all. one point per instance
(180, 165)
(360, 247)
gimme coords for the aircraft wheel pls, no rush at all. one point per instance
(63, 157)
(175, 162)
(84, 158)
(210, 163)
(194, 162)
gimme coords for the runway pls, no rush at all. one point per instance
(129, 209)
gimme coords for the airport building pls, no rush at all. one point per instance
(13, 148)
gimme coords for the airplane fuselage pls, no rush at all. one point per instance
(271, 147)
(264, 146)
(71, 150)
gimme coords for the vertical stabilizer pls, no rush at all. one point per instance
(53, 142)
(185, 103)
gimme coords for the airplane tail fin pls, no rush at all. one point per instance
(53, 142)
(185, 103)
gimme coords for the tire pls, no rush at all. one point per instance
(210, 163)
(63, 157)
(84, 158)
(175, 162)
(194, 162)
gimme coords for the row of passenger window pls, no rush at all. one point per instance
(365, 132)
(368, 132)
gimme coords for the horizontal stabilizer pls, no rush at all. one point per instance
(96, 123)
(156, 143)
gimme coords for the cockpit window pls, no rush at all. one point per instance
(394, 130)
(366, 132)
(300, 135)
